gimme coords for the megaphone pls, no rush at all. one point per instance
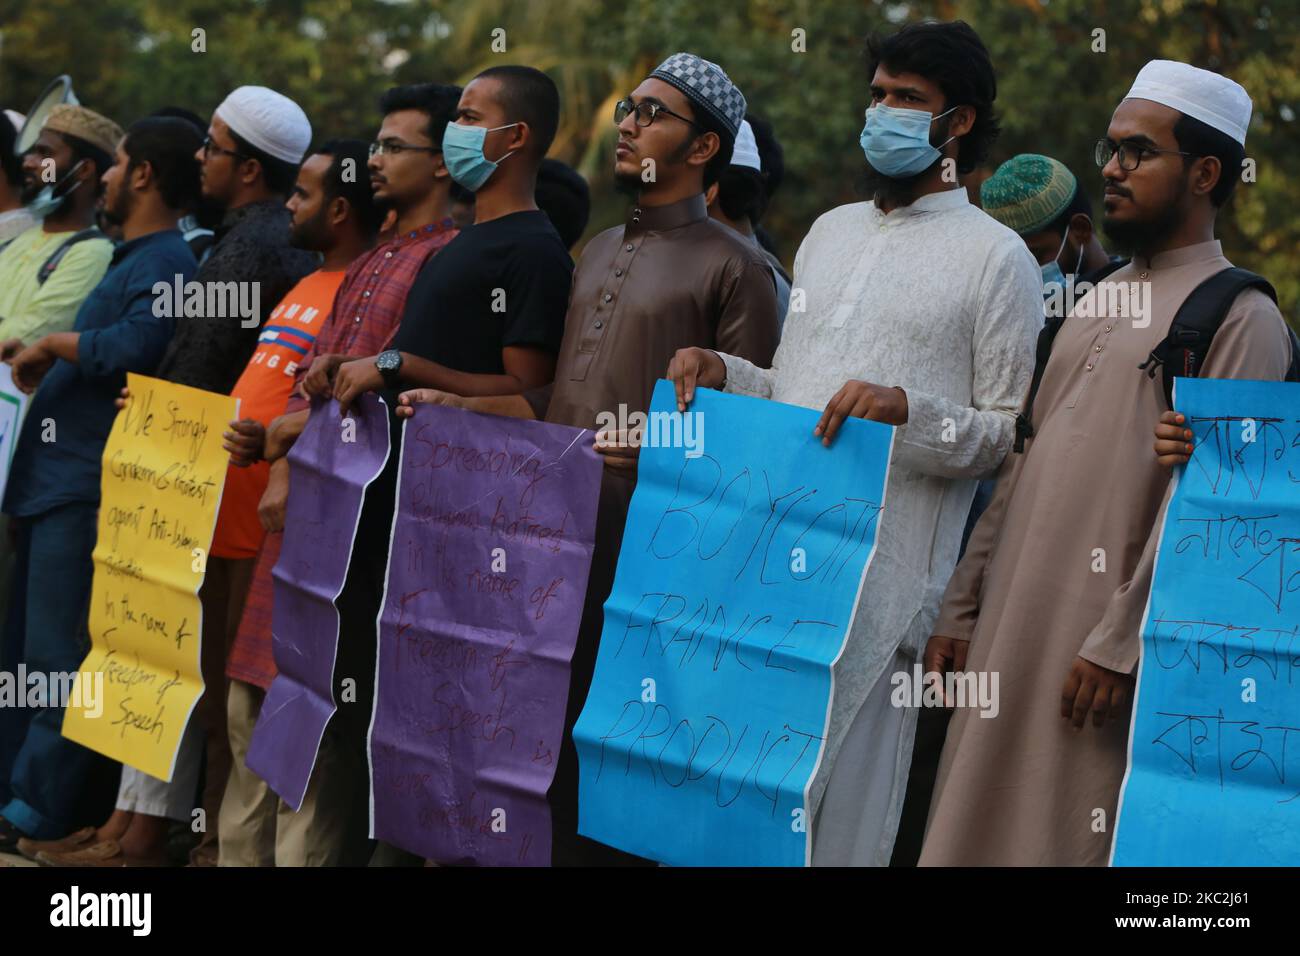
(59, 91)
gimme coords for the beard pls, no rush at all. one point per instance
(628, 184)
(900, 192)
(117, 206)
(311, 235)
(31, 189)
(1136, 237)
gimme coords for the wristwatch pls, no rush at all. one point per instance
(389, 363)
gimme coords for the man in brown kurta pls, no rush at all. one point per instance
(1051, 591)
(668, 278)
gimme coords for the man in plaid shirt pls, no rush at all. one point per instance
(408, 175)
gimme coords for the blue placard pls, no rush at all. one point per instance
(744, 553)
(1214, 751)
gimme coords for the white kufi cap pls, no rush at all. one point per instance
(269, 120)
(1209, 97)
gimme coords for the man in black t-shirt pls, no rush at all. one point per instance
(483, 317)
(486, 316)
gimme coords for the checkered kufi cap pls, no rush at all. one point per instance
(706, 85)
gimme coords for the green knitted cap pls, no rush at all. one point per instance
(1027, 192)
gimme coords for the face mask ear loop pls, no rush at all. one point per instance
(507, 155)
(950, 138)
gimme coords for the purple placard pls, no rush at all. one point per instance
(330, 466)
(490, 553)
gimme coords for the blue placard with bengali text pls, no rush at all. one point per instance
(1214, 752)
(744, 553)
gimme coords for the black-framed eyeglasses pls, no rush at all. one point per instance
(393, 147)
(210, 147)
(645, 112)
(1130, 154)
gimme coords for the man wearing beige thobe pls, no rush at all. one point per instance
(1051, 590)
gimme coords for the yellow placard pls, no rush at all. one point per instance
(163, 473)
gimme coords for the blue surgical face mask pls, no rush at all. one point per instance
(897, 141)
(462, 151)
(1052, 274)
(49, 199)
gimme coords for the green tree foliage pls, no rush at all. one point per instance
(1056, 91)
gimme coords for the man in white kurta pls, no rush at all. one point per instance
(942, 301)
(918, 310)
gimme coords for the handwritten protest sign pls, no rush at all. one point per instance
(330, 466)
(12, 405)
(164, 471)
(736, 584)
(1214, 771)
(495, 525)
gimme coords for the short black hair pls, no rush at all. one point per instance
(528, 96)
(770, 153)
(1201, 139)
(1080, 203)
(180, 112)
(952, 56)
(565, 198)
(81, 149)
(278, 174)
(438, 101)
(168, 145)
(742, 194)
(11, 164)
(355, 190)
(207, 212)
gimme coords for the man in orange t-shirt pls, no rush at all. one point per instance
(334, 214)
(263, 391)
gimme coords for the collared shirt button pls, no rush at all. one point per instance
(357, 318)
(628, 247)
(1097, 349)
(600, 324)
(1142, 275)
(1107, 329)
(376, 272)
(366, 294)
(608, 297)
(618, 272)
(1089, 366)
(388, 255)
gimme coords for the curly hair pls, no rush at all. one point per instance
(952, 56)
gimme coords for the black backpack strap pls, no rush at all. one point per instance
(1043, 351)
(57, 255)
(1182, 351)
